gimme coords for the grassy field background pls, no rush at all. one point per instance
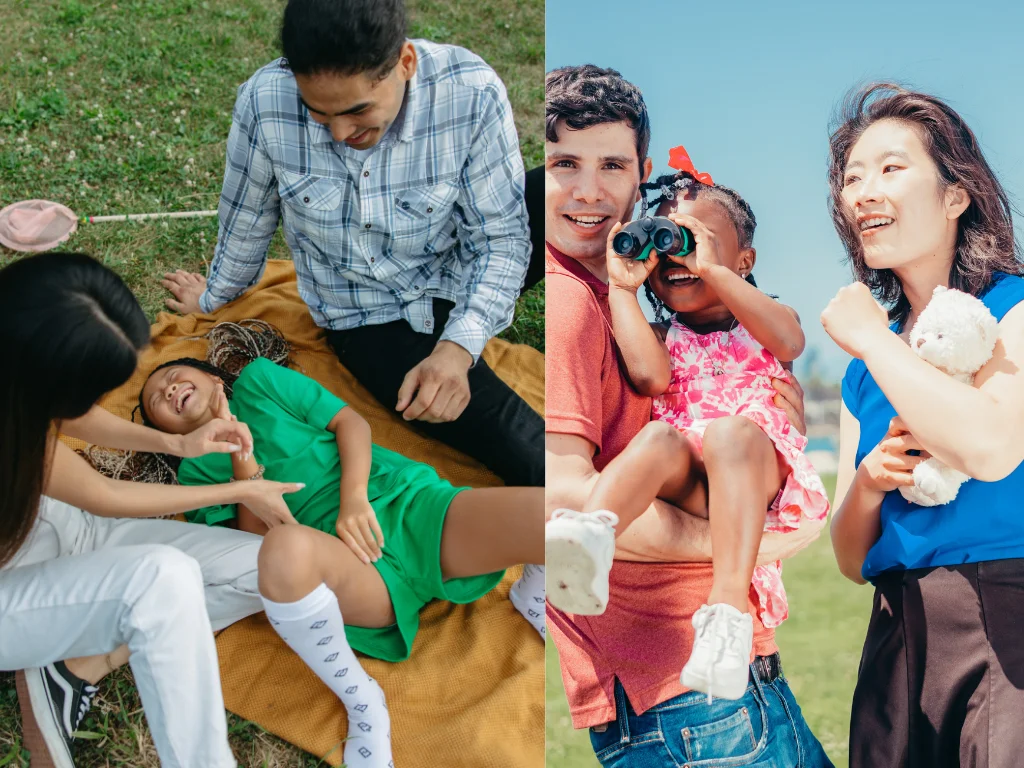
(124, 107)
(820, 645)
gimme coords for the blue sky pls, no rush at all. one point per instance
(749, 88)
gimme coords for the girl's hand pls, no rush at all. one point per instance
(357, 527)
(264, 498)
(626, 272)
(224, 434)
(888, 466)
(705, 255)
(854, 319)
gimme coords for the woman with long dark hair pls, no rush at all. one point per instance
(917, 206)
(79, 577)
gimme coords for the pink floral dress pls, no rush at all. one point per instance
(728, 373)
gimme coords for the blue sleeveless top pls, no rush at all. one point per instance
(984, 522)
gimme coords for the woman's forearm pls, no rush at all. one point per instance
(645, 356)
(964, 427)
(72, 480)
(100, 427)
(856, 527)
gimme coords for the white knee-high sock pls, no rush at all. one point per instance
(527, 595)
(312, 627)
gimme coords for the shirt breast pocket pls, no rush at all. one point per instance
(308, 195)
(421, 215)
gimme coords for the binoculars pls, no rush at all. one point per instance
(638, 237)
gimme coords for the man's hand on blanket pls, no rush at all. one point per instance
(187, 287)
(357, 526)
(440, 383)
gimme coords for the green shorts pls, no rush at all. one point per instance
(411, 515)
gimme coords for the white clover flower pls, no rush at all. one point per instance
(53, 143)
(44, 59)
(71, 155)
(177, 121)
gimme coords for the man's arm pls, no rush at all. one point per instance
(494, 241)
(249, 211)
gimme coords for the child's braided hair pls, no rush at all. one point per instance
(669, 186)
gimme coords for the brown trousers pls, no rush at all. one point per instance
(941, 679)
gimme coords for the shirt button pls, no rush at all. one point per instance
(415, 287)
(305, 199)
(430, 210)
(367, 226)
(427, 324)
(372, 259)
(365, 174)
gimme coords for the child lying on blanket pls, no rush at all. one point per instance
(380, 535)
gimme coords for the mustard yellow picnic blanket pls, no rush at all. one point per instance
(471, 695)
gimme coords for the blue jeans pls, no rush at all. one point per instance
(764, 729)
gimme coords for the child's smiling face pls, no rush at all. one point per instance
(692, 295)
(179, 399)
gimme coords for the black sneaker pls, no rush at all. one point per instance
(59, 702)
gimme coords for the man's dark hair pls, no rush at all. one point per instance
(587, 95)
(345, 37)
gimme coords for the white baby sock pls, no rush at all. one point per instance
(312, 627)
(527, 595)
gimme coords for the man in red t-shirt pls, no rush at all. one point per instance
(621, 668)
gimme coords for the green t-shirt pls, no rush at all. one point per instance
(288, 414)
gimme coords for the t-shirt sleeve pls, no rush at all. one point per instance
(852, 381)
(210, 469)
(575, 336)
(305, 398)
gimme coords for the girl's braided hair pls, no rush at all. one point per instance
(669, 186)
(232, 346)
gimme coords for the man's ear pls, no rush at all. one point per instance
(407, 61)
(647, 168)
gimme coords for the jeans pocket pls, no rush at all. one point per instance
(729, 737)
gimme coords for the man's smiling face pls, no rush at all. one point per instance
(593, 180)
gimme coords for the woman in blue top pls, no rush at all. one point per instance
(941, 679)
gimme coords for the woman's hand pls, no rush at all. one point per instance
(224, 434)
(888, 466)
(705, 256)
(625, 272)
(357, 526)
(264, 498)
(854, 319)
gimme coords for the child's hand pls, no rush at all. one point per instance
(854, 319)
(626, 272)
(705, 255)
(357, 526)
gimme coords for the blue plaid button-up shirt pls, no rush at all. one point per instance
(435, 209)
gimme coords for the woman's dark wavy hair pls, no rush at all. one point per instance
(73, 331)
(985, 240)
(739, 210)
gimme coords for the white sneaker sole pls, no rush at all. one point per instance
(724, 688)
(37, 698)
(570, 577)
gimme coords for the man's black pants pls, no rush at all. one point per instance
(497, 428)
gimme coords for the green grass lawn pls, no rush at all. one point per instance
(820, 645)
(124, 107)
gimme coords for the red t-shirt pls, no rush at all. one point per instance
(645, 636)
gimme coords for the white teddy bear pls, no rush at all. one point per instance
(957, 334)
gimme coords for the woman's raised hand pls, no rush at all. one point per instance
(889, 466)
(624, 271)
(854, 319)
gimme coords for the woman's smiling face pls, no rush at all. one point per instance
(179, 398)
(893, 193)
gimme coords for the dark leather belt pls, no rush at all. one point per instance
(768, 668)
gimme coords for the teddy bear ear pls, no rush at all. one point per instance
(939, 289)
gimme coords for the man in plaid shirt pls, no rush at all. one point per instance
(394, 167)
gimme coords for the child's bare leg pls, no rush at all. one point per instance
(658, 463)
(744, 477)
(489, 529)
(308, 579)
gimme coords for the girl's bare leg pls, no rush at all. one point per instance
(490, 529)
(658, 463)
(744, 476)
